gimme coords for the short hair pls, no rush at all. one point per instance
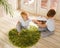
(51, 13)
(23, 13)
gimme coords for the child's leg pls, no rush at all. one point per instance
(42, 29)
(18, 27)
(45, 32)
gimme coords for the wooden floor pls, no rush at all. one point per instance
(7, 23)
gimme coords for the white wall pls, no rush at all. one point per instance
(2, 13)
(13, 3)
(58, 11)
(14, 6)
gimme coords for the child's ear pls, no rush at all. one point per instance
(27, 14)
(54, 17)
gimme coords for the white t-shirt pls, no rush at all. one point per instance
(50, 24)
(24, 23)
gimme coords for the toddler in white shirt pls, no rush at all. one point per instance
(50, 20)
(23, 21)
(49, 24)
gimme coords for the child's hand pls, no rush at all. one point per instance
(18, 22)
(35, 21)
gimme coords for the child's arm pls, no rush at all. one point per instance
(36, 22)
(42, 25)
